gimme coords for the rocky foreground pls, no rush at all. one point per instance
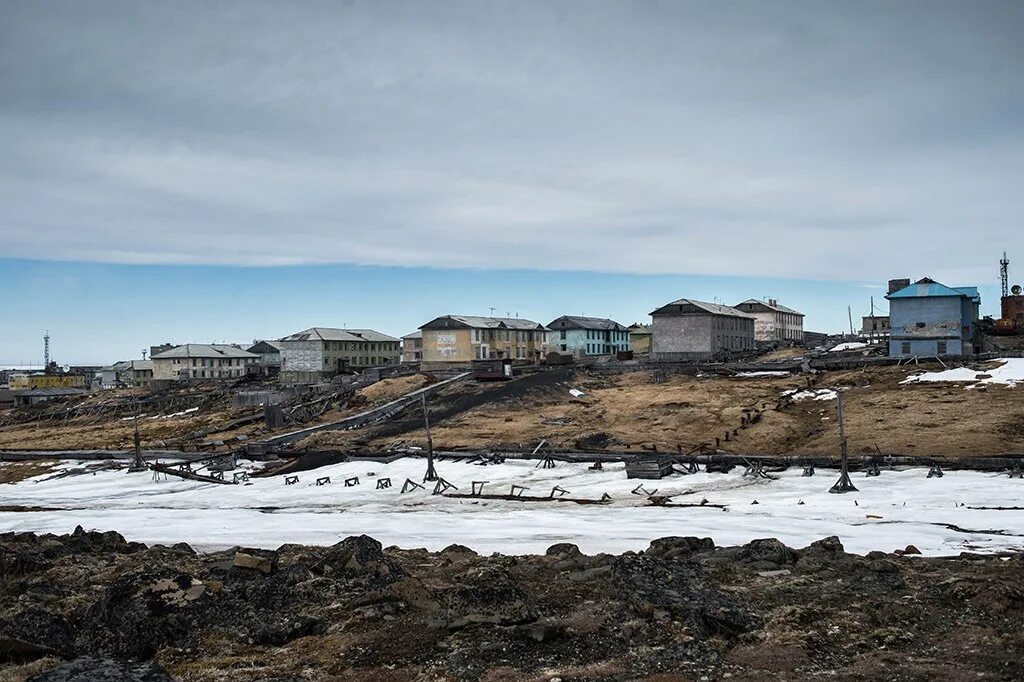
(92, 606)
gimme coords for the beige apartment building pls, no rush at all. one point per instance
(461, 339)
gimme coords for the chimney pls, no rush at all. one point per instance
(897, 284)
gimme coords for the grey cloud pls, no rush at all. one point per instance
(816, 140)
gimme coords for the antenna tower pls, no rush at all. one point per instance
(1004, 274)
(46, 347)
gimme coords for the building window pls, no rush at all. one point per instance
(940, 347)
(905, 349)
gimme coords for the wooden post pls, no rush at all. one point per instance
(844, 484)
(431, 475)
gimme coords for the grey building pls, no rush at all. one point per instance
(412, 347)
(320, 353)
(687, 330)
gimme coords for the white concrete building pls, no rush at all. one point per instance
(773, 321)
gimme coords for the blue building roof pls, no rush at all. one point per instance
(928, 287)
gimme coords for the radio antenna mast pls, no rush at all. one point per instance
(1004, 275)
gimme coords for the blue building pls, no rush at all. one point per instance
(928, 319)
(587, 335)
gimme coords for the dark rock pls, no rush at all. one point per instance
(563, 549)
(103, 670)
(770, 551)
(140, 613)
(34, 633)
(543, 631)
(82, 540)
(911, 549)
(278, 632)
(361, 555)
(486, 596)
(260, 560)
(652, 584)
(831, 545)
(679, 547)
(458, 549)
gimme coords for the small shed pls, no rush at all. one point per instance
(649, 467)
(497, 369)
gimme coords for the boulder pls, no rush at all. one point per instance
(140, 613)
(256, 559)
(485, 596)
(563, 549)
(656, 588)
(679, 547)
(103, 670)
(34, 633)
(768, 551)
(361, 555)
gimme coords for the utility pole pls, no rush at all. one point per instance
(138, 464)
(849, 314)
(431, 475)
(844, 484)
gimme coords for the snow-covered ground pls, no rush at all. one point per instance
(1009, 373)
(889, 512)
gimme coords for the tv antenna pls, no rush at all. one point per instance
(1004, 274)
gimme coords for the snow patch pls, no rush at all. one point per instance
(849, 345)
(1010, 373)
(811, 394)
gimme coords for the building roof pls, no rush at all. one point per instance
(333, 334)
(927, 287)
(711, 308)
(579, 322)
(264, 346)
(142, 365)
(418, 334)
(776, 306)
(204, 350)
(121, 365)
(640, 328)
(475, 322)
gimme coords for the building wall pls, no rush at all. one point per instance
(699, 336)
(925, 321)
(466, 345)
(640, 343)
(27, 381)
(412, 350)
(173, 369)
(589, 341)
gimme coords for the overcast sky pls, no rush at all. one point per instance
(807, 139)
(816, 140)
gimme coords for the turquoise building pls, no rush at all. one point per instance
(584, 336)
